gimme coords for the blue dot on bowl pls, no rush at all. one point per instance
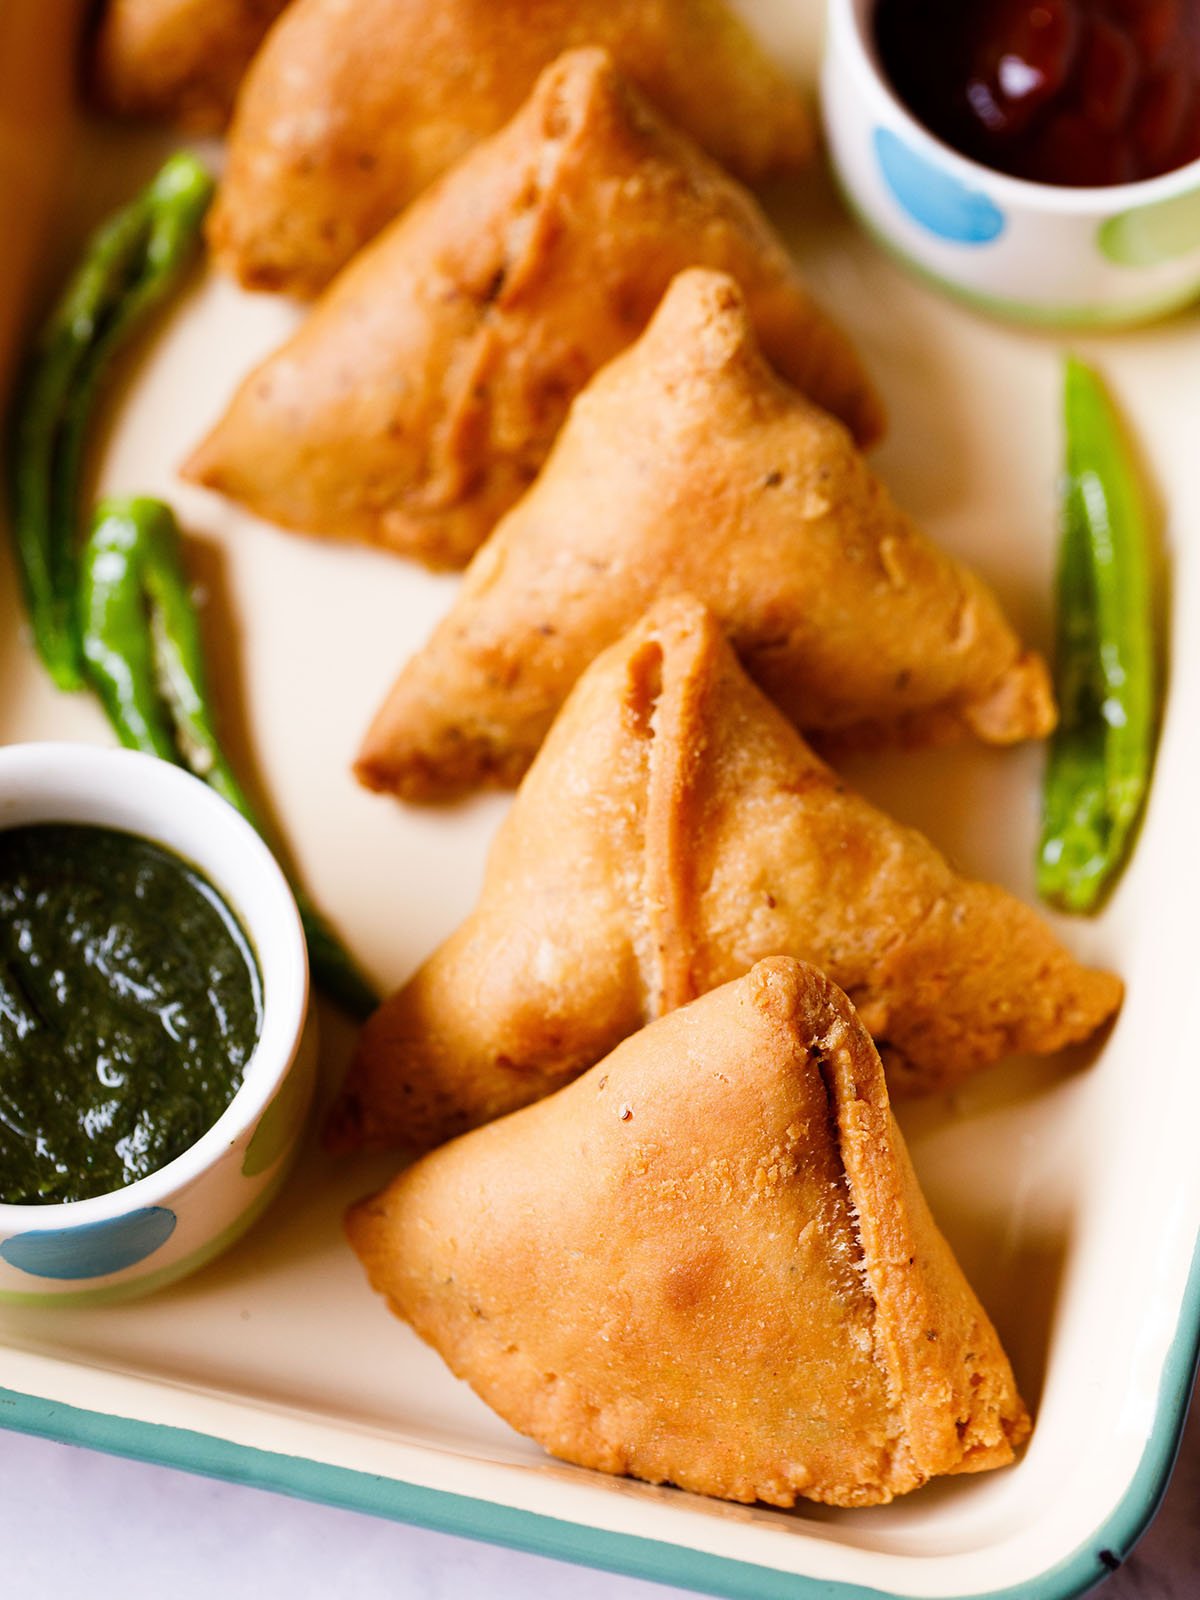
(936, 200)
(92, 1250)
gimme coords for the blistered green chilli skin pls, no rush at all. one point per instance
(1106, 670)
(1105, 482)
(45, 558)
(117, 645)
(129, 265)
(141, 641)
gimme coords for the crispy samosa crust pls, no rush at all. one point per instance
(178, 60)
(419, 399)
(351, 110)
(707, 1263)
(687, 465)
(674, 830)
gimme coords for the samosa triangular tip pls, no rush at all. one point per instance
(707, 1262)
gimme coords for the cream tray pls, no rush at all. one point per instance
(1069, 1189)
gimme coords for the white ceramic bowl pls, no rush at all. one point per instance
(1039, 252)
(155, 1230)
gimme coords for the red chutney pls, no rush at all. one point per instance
(1076, 92)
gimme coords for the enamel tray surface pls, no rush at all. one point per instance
(1070, 1189)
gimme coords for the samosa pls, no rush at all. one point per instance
(688, 465)
(351, 110)
(179, 60)
(420, 397)
(707, 1263)
(674, 830)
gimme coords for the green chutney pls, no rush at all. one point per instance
(130, 1005)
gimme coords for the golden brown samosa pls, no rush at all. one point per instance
(707, 1263)
(351, 110)
(687, 464)
(179, 60)
(419, 399)
(674, 830)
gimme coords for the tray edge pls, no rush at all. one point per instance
(629, 1555)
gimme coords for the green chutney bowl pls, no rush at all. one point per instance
(135, 1239)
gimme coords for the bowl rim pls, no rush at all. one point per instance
(261, 900)
(849, 28)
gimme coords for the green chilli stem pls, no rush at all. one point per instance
(142, 649)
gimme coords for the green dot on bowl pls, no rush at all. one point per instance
(1148, 235)
(277, 1126)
